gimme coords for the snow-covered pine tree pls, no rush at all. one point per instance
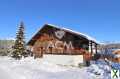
(19, 49)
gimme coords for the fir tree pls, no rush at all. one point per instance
(19, 47)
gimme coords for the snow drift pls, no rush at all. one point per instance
(30, 68)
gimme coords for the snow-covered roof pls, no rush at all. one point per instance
(79, 33)
(68, 30)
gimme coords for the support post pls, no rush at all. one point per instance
(91, 47)
(96, 48)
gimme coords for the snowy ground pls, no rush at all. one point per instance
(39, 69)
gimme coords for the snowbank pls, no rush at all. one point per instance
(36, 69)
(30, 68)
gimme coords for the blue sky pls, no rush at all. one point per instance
(97, 18)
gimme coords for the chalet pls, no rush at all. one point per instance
(55, 41)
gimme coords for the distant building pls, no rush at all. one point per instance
(52, 40)
(116, 57)
(110, 51)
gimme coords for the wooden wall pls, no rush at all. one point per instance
(51, 40)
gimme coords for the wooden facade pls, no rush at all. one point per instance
(53, 40)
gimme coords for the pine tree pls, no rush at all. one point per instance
(19, 47)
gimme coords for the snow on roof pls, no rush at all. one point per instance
(85, 35)
(79, 33)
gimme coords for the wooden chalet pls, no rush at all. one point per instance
(61, 41)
